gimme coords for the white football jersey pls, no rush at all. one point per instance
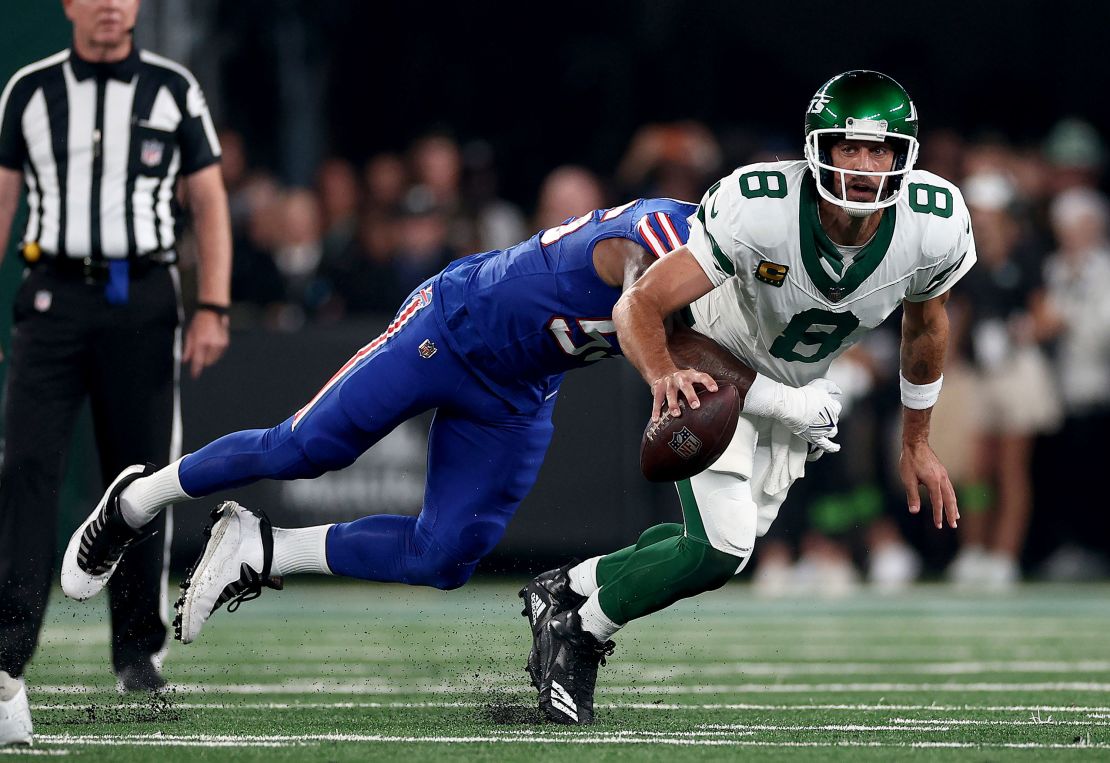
(784, 301)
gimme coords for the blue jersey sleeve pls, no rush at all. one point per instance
(661, 226)
(524, 316)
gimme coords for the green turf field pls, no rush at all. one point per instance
(346, 672)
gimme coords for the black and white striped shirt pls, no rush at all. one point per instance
(101, 146)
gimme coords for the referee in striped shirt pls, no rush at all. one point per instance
(100, 134)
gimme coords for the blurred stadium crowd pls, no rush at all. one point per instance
(1027, 382)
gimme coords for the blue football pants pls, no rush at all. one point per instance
(483, 457)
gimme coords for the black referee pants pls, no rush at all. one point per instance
(69, 343)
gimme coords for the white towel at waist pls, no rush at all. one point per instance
(788, 459)
(783, 452)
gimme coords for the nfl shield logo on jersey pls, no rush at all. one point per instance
(150, 153)
(427, 349)
(685, 443)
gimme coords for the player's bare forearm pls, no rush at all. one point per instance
(620, 262)
(639, 320)
(11, 185)
(208, 201)
(924, 342)
(667, 286)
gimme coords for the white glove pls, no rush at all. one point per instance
(812, 412)
(823, 408)
(816, 451)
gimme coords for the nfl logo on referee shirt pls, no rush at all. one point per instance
(685, 443)
(43, 301)
(150, 153)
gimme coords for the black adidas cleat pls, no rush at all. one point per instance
(96, 547)
(569, 658)
(546, 596)
(139, 676)
(233, 567)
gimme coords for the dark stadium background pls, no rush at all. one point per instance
(546, 85)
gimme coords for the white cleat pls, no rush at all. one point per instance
(15, 712)
(233, 568)
(96, 546)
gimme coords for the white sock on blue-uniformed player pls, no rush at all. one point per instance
(595, 621)
(583, 577)
(141, 501)
(302, 550)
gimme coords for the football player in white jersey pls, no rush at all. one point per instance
(788, 264)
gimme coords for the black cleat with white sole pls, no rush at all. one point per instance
(96, 547)
(547, 595)
(569, 659)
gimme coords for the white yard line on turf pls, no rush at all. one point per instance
(379, 687)
(1092, 712)
(656, 670)
(897, 724)
(208, 740)
(882, 668)
(980, 722)
(30, 751)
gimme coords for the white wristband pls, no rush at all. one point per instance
(764, 397)
(918, 397)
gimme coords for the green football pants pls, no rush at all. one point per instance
(669, 562)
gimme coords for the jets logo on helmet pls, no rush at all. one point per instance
(861, 105)
(818, 103)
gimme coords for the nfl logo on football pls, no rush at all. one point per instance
(685, 443)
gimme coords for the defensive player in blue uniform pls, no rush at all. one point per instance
(485, 343)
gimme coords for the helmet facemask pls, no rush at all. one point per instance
(831, 178)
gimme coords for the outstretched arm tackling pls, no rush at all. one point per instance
(924, 342)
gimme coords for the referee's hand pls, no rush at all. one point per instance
(205, 341)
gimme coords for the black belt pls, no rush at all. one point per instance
(96, 270)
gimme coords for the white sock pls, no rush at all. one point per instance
(595, 621)
(9, 687)
(141, 501)
(583, 577)
(301, 550)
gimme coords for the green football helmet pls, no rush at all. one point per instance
(861, 105)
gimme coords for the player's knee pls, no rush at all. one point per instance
(448, 563)
(731, 521)
(476, 539)
(657, 533)
(437, 569)
(717, 567)
(324, 452)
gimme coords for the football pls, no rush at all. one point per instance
(678, 447)
(689, 349)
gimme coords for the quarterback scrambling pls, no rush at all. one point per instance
(485, 343)
(787, 265)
